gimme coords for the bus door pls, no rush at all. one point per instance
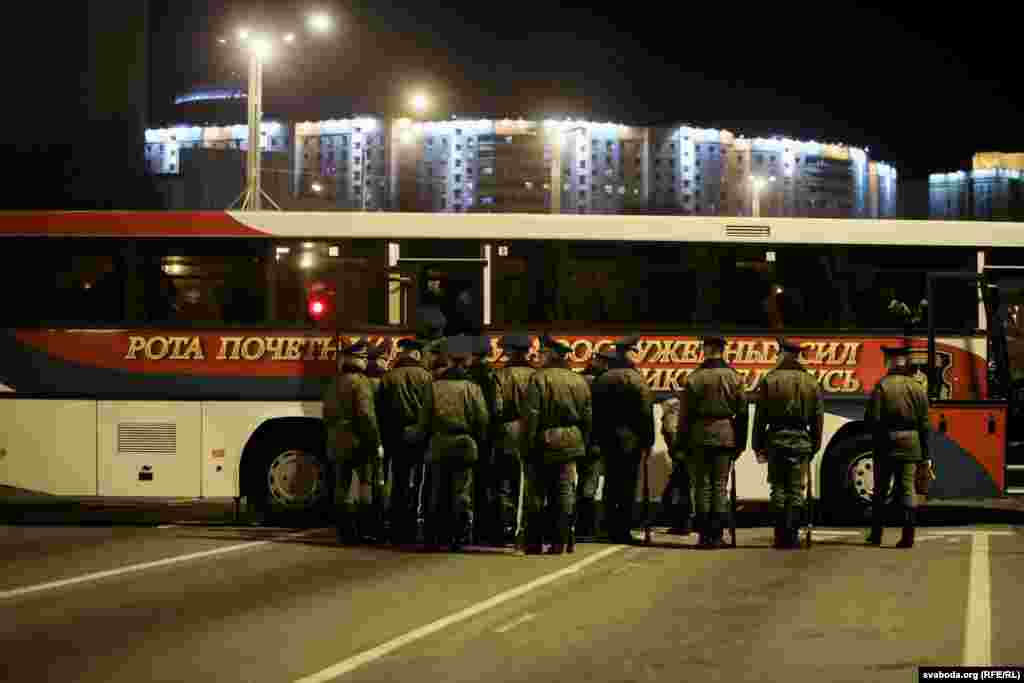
(1004, 306)
(453, 286)
(969, 435)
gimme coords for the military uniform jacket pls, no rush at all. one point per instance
(403, 391)
(623, 411)
(351, 417)
(514, 380)
(670, 423)
(790, 411)
(454, 407)
(713, 408)
(485, 375)
(559, 415)
(897, 414)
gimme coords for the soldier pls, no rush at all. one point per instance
(454, 415)
(679, 513)
(713, 427)
(787, 431)
(431, 332)
(487, 515)
(624, 420)
(897, 414)
(353, 440)
(559, 419)
(589, 468)
(376, 367)
(509, 453)
(402, 394)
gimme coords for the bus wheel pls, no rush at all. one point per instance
(851, 473)
(292, 478)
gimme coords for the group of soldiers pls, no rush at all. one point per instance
(515, 454)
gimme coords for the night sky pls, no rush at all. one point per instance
(923, 89)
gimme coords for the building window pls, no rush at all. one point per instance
(458, 131)
(487, 170)
(686, 183)
(583, 194)
(583, 180)
(583, 163)
(458, 178)
(458, 148)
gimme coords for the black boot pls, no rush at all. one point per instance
(875, 537)
(711, 538)
(345, 524)
(793, 525)
(700, 524)
(681, 520)
(907, 538)
(585, 520)
(779, 538)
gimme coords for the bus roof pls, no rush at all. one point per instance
(498, 227)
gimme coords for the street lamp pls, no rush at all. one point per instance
(757, 183)
(260, 48)
(419, 103)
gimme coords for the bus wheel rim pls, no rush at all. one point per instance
(295, 478)
(862, 476)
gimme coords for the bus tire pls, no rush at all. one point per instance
(290, 479)
(849, 476)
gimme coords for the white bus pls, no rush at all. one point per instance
(183, 355)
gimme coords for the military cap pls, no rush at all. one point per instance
(788, 345)
(896, 350)
(380, 350)
(460, 345)
(714, 339)
(410, 345)
(558, 347)
(516, 342)
(628, 344)
(356, 348)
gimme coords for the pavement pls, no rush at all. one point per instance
(196, 602)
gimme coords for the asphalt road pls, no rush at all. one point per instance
(203, 603)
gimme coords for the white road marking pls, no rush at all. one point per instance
(95, 576)
(978, 621)
(969, 532)
(626, 567)
(354, 662)
(516, 622)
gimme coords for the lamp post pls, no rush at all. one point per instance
(757, 183)
(260, 48)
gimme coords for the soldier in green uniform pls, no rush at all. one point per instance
(624, 430)
(559, 419)
(713, 427)
(376, 367)
(402, 394)
(487, 515)
(353, 440)
(897, 414)
(678, 485)
(589, 468)
(509, 451)
(454, 415)
(787, 431)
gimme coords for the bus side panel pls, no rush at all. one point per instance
(970, 455)
(149, 448)
(48, 446)
(228, 427)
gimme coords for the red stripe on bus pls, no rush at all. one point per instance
(124, 223)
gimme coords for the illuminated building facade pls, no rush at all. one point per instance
(506, 165)
(992, 190)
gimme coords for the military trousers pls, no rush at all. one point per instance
(622, 470)
(710, 469)
(484, 517)
(550, 497)
(344, 469)
(406, 468)
(676, 499)
(450, 507)
(787, 471)
(589, 476)
(506, 475)
(899, 474)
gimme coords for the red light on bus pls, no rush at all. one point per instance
(317, 307)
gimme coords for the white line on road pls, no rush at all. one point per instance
(516, 622)
(39, 587)
(978, 626)
(352, 663)
(969, 532)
